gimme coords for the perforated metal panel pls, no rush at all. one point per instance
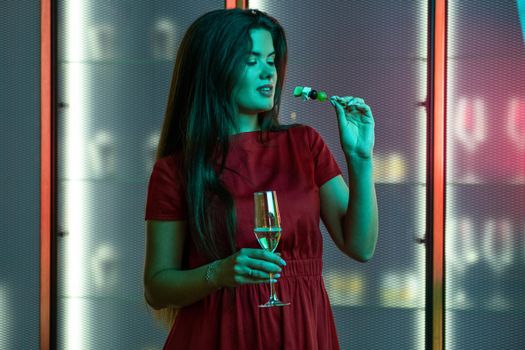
(115, 65)
(376, 50)
(485, 230)
(19, 174)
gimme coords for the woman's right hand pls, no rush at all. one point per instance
(249, 266)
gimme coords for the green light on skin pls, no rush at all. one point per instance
(521, 14)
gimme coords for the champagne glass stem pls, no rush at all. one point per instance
(273, 296)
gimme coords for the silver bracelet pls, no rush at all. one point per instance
(210, 273)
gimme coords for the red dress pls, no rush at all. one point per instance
(295, 163)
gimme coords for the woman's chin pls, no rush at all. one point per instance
(260, 108)
(267, 108)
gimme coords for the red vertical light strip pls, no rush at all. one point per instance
(45, 174)
(439, 175)
(231, 4)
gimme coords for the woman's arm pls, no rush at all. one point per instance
(351, 217)
(166, 284)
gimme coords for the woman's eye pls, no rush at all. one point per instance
(253, 63)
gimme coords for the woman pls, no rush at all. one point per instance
(221, 142)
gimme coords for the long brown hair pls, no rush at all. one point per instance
(200, 115)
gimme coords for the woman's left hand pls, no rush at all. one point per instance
(356, 126)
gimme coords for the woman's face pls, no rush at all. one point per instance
(255, 89)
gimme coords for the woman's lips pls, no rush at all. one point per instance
(266, 90)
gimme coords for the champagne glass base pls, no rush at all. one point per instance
(273, 303)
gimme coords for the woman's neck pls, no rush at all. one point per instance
(246, 123)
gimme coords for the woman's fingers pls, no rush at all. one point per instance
(339, 107)
(351, 105)
(263, 255)
(263, 265)
(255, 275)
(257, 264)
(348, 101)
(364, 108)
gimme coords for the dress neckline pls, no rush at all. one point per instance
(247, 135)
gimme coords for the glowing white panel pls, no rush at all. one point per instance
(5, 317)
(75, 192)
(457, 299)
(419, 326)
(256, 4)
(451, 103)
(421, 86)
(450, 322)
(420, 256)
(421, 169)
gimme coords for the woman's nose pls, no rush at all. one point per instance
(267, 72)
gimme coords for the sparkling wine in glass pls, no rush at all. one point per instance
(267, 229)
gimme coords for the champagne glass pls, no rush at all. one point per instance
(267, 229)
